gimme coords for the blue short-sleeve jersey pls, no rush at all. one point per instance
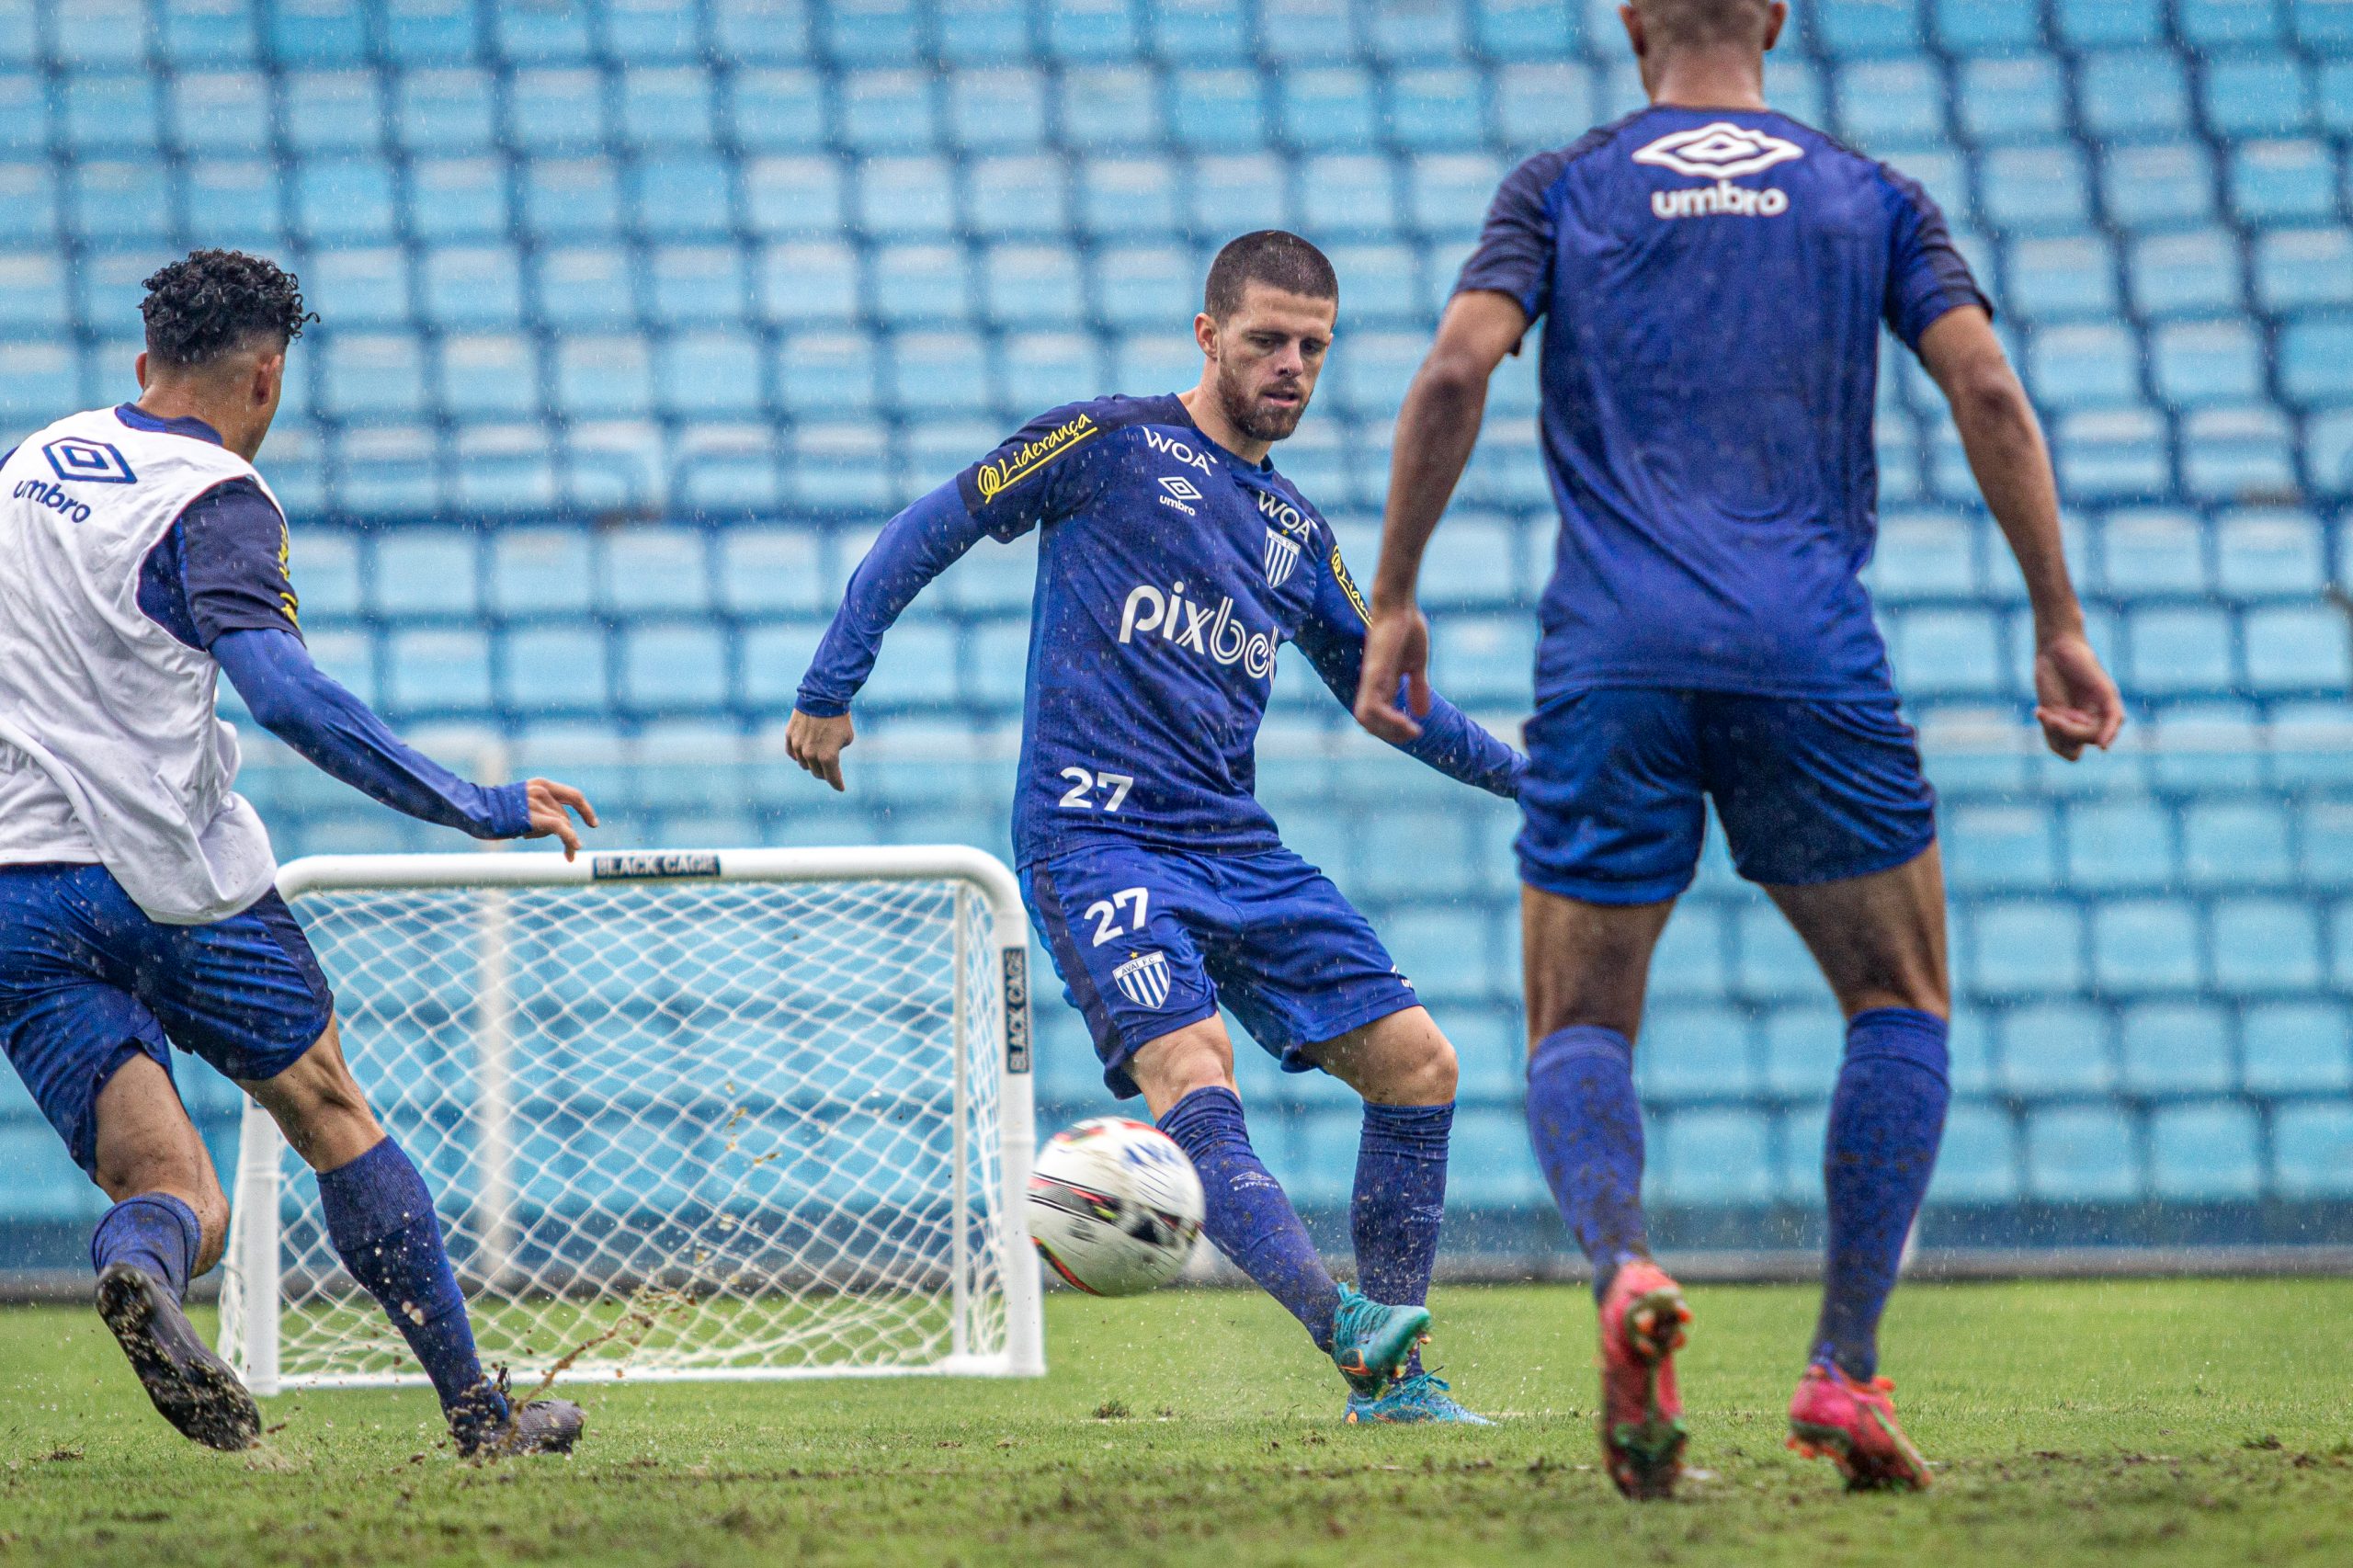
(1711, 284)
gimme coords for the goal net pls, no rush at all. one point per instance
(726, 1114)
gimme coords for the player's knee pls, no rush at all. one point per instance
(1432, 1076)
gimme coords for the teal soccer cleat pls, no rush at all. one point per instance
(1370, 1341)
(1418, 1398)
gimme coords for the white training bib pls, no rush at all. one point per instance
(115, 709)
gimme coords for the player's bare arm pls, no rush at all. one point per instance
(1437, 428)
(2076, 702)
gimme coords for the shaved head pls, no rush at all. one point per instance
(1683, 24)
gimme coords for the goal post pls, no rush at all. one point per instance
(725, 1114)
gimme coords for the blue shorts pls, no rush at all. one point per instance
(1808, 792)
(87, 981)
(1150, 941)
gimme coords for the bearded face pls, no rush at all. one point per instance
(1269, 353)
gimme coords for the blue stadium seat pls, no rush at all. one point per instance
(2012, 99)
(2061, 279)
(2194, 273)
(372, 376)
(1306, 30)
(487, 376)
(1866, 28)
(389, 471)
(1925, 554)
(1541, 106)
(1110, 107)
(921, 283)
(2272, 552)
(709, 375)
(1948, 651)
(471, 286)
(697, 286)
(2296, 1048)
(2024, 948)
(2132, 94)
(2313, 364)
(331, 111)
(2164, 184)
(2081, 1154)
(808, 281)
(27, 204)
(1448, 195)
(886, 111)
(115, 201)
(425, 571)
(2207, 363)
(2265, 946)
(36, 381)
(439, 672)
(1040, 370)
(760, 31)
(680, 194)
(2212, 22)
(1026, 197)
(1200, 29)
(319, 32)
(2146, 946)
(2322, 23)
(2083, 366)
(997, 111)
(1691, 953)
(1239, 192)
(109, 114)
(2257, 95)
(526, 32)
(571, 199)
(1890, 102)
(1803, 1048)
(1708, 1157)
(325, 565)
(1769, 962)
(358, 287)
(2177, 1048)
(2093, 23)
(2230, 453)
(1987, 26)
(585, 288)
(1143, 287)
(826, 372)
(603, 376)
(933, 373)
(2284, 182)
(2035, 189)
(207, 32)
(554, 669)
(457, 199)
(1091, 29)
(1032, 285)
(235, 204)
(2328, 451)
(2056, 1048)
(667, 108)
(777, 112)
(2312, 1150)
(1978, 1162)
(1435, 111)
(2205, 1152)
(24, 115)
(2000, 846)
(1328, 107)
(907, 197)
(2180, 650)
(2297, 648)
(661, 29)
(675, 666)
(218, 113)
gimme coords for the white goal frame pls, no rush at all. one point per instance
(252, 1298)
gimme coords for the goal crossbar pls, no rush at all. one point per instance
(983, 1235)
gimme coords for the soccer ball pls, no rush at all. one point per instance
(1114, 1206)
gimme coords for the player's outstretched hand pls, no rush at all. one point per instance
(817, 743)
(1396, 650)
(549, 801)
(2075, 703)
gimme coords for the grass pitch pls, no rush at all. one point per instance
(2201, 1422)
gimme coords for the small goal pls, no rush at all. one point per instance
(738, 1113)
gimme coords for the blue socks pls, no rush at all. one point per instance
(1886, 1119)
(379, 1217)
(1247, 1216)
(154, 1230)
(1586, 1124)
(1400, 1202)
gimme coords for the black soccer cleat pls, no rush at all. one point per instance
(193, 1389)
(536, 1426)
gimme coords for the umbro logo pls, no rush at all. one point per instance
(1721, 151)
(1181, 493)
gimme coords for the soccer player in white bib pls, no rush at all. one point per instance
(140, 557)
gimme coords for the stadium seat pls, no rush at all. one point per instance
(2265, 946)
(2257, 95)
(440, 673)
(2018, 948)
(2000, 846)
(2081, 1154)
(670, 667)
(2205, 1152)
(2312, 1150)
(2171, 1048)
(2204, 363)
(2296, 1048)
(1803, 1049)
(221, 112)
(1978, 1162)
(2012, 100)
(2164, 184)
(2284, 182)
(2147, 945)
(2194, 273)
(1712, 1157)
(776, 111)
(1884, 103)
(886, 111)
(2083, 366)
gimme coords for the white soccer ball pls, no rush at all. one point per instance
(1115, 1206)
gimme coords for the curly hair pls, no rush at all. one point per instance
(214, 302)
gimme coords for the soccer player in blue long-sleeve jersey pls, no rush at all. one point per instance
(141, 556)
(1174, 564)
(1712, 277)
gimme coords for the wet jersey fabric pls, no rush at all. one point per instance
(1170, 573)
(1711, 285)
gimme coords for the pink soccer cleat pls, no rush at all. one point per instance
(1643, 1319)
(1852, 1424)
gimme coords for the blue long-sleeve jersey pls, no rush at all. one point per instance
(1169, 573)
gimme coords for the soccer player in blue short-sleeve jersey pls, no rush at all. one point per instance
(1712, 277)
(1173, 563)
